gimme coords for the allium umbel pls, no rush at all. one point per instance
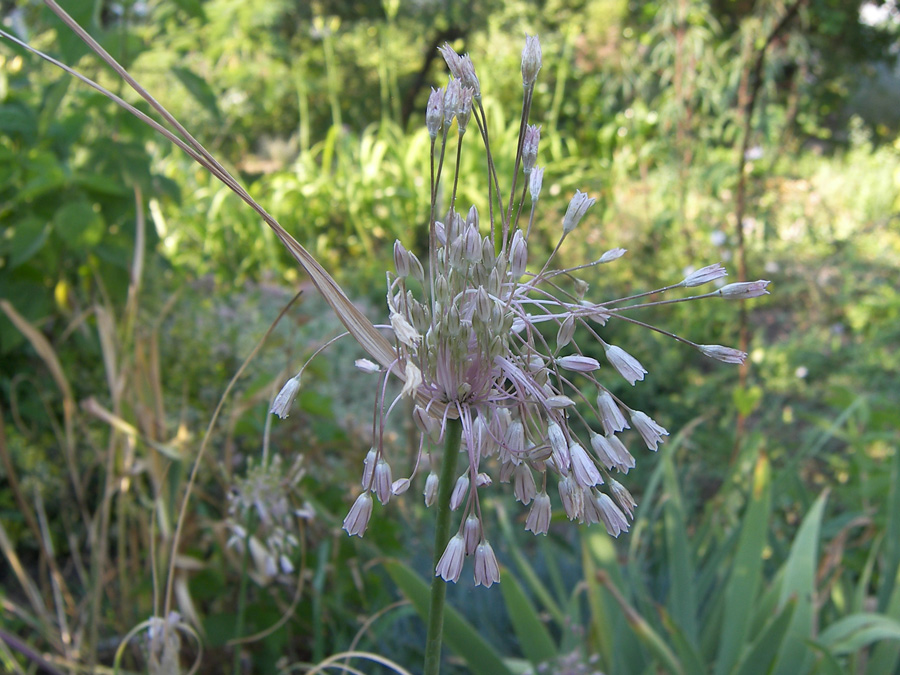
(474, 340)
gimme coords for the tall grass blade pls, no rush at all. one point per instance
(534, 638)
(682, 604)
(743, 584)
(759, 656)
(799, 582)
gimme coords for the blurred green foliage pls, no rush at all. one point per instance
(318, 107)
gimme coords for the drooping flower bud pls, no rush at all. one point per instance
(450, 565)
(459, 492)
(538, 520)
(628, 366)
(472, 533)
(357, 520)
(282, 403)
(649, 430)
(487, 570)
(610, 414)
(431, 488)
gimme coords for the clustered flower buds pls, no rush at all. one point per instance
(262, 500)
(473, 340)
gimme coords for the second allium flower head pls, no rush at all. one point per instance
(474, 335)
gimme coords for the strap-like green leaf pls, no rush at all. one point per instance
(459, 635)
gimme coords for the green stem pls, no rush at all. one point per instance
(452, 438)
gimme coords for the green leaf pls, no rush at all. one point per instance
(534, 639)
(78, 224)
(199, 89)
(758, 657)
(746, 400)
(682, 602)
(744, 580)
(28, 236)
(459, 635)
(856, 631)
(799, 582)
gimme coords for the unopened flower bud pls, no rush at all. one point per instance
(472, 534)
(401, 260)
(578, 364)
(369, 468)
(282, 404)
(367, 366)
(744, 290)
(399, 486)
(459, 492)
(518, 255)
(566, 332)
(434, 113)
(535, 181)
(724, 354)
(415, 268)
(610, 255)
(578, 206)
(431, 488)
(530, 147)
(382, 482)
(531, 60)
(704, 275)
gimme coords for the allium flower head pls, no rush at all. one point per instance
(507, 342)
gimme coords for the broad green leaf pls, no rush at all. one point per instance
(28, 236)
(799, 582)
(534, 639)
(459, 634)
(78, 224)
(744, 580)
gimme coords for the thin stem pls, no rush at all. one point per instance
(242, 592)
(452, 439)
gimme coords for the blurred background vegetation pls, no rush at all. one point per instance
(133, 287)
